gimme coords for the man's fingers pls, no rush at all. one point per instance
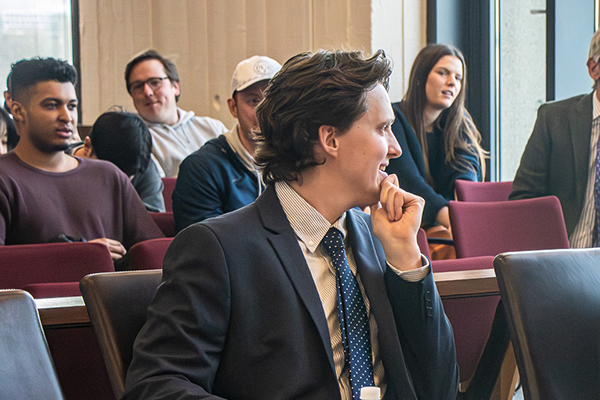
(116, 249)
(392, 198)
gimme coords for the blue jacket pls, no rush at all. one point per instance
(212, 181)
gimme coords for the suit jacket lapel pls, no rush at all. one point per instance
(370, 265)
(282, 238)
(580, 126)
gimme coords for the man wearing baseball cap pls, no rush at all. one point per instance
(221, 176)
(560, 158)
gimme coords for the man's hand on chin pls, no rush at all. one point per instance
(396, 220)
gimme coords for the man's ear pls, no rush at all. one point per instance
(88, 150)
(176, 86)
(593, 69)
(18, 112)
(232, 107)
(328, 139)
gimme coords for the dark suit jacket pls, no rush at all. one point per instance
(556, 158)
(238, 316)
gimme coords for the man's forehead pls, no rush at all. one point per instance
(64, 91)
(147, 69)
(378, 101)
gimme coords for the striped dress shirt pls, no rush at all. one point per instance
(583, 234)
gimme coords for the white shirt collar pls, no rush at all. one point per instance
(308, 224)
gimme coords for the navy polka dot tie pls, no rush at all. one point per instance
(354, 321)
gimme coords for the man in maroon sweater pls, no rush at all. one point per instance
(46, 194)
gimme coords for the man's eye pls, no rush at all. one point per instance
(72, 107)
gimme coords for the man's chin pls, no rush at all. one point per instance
(151, 117)
(368, 201)
(61, 147)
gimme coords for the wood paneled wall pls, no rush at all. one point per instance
(207, 38)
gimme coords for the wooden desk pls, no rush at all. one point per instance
(74, 348)
(63, 311)
(71, 311)
(68, 312)
(461, 284)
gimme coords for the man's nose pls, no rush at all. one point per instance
(147, 89)
(394, 149)
(64, 114)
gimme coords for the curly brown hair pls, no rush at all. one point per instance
(312, 90)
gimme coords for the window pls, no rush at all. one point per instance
(522, 54)
(30, 28)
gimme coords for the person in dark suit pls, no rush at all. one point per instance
(254, 306)
(560, 157)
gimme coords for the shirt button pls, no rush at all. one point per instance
(310, 242)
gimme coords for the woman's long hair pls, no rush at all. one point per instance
(455, 122)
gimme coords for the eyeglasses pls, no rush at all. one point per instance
(154, 83)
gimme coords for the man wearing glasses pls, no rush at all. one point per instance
(153, 83)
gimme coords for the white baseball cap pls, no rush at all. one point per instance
(252, 70)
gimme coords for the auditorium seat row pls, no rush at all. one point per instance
(485, 224)
(55, 269)
(494, 228)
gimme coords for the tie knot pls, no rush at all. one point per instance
(333, 240)
(334, 245)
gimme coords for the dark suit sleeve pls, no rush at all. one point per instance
(410, 168)
(531, 179)
(177, 353)
(425, 336)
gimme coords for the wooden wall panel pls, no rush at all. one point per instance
(330, 21)
(195, 89)
(288, 28)
(359, 28)
(226, 45)
(128, 31)
(342, 24)
(207, 38)
(255, 12)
